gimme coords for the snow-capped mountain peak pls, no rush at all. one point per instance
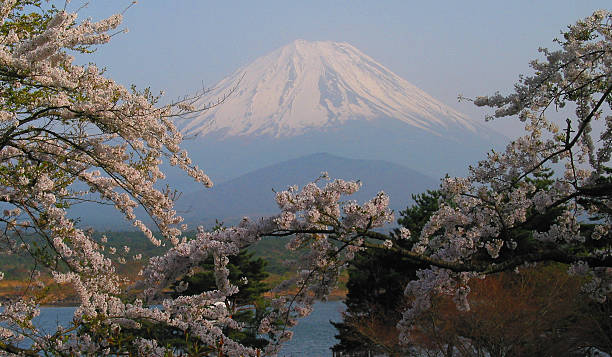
(316, 85)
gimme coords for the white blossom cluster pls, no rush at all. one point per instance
(316, 217)
(69, 134)
(493, 219)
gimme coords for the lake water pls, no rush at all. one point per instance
(313, 335)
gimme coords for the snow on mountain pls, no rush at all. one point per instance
(307, 85)
(310, 97)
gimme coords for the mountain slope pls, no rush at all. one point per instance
(310, 97)
(252, 194)
(309, 85)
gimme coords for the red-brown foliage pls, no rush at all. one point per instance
(537, 312)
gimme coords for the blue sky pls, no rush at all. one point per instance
(443, 47)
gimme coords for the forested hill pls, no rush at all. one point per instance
(17, 269)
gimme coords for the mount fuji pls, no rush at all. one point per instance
(310, 107)
(310, 97)
(316, 85)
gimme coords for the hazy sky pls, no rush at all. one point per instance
(443, 47)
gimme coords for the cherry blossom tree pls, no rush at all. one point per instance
(490, 224)
(69, 134)
(494, 219)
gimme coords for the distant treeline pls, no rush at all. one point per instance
(272, 250)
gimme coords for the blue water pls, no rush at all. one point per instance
(313, 335)
(51, 317)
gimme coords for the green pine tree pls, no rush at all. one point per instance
(376, 288)
(248, 304)
(248, 307)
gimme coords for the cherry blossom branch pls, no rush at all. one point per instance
(570, 144)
